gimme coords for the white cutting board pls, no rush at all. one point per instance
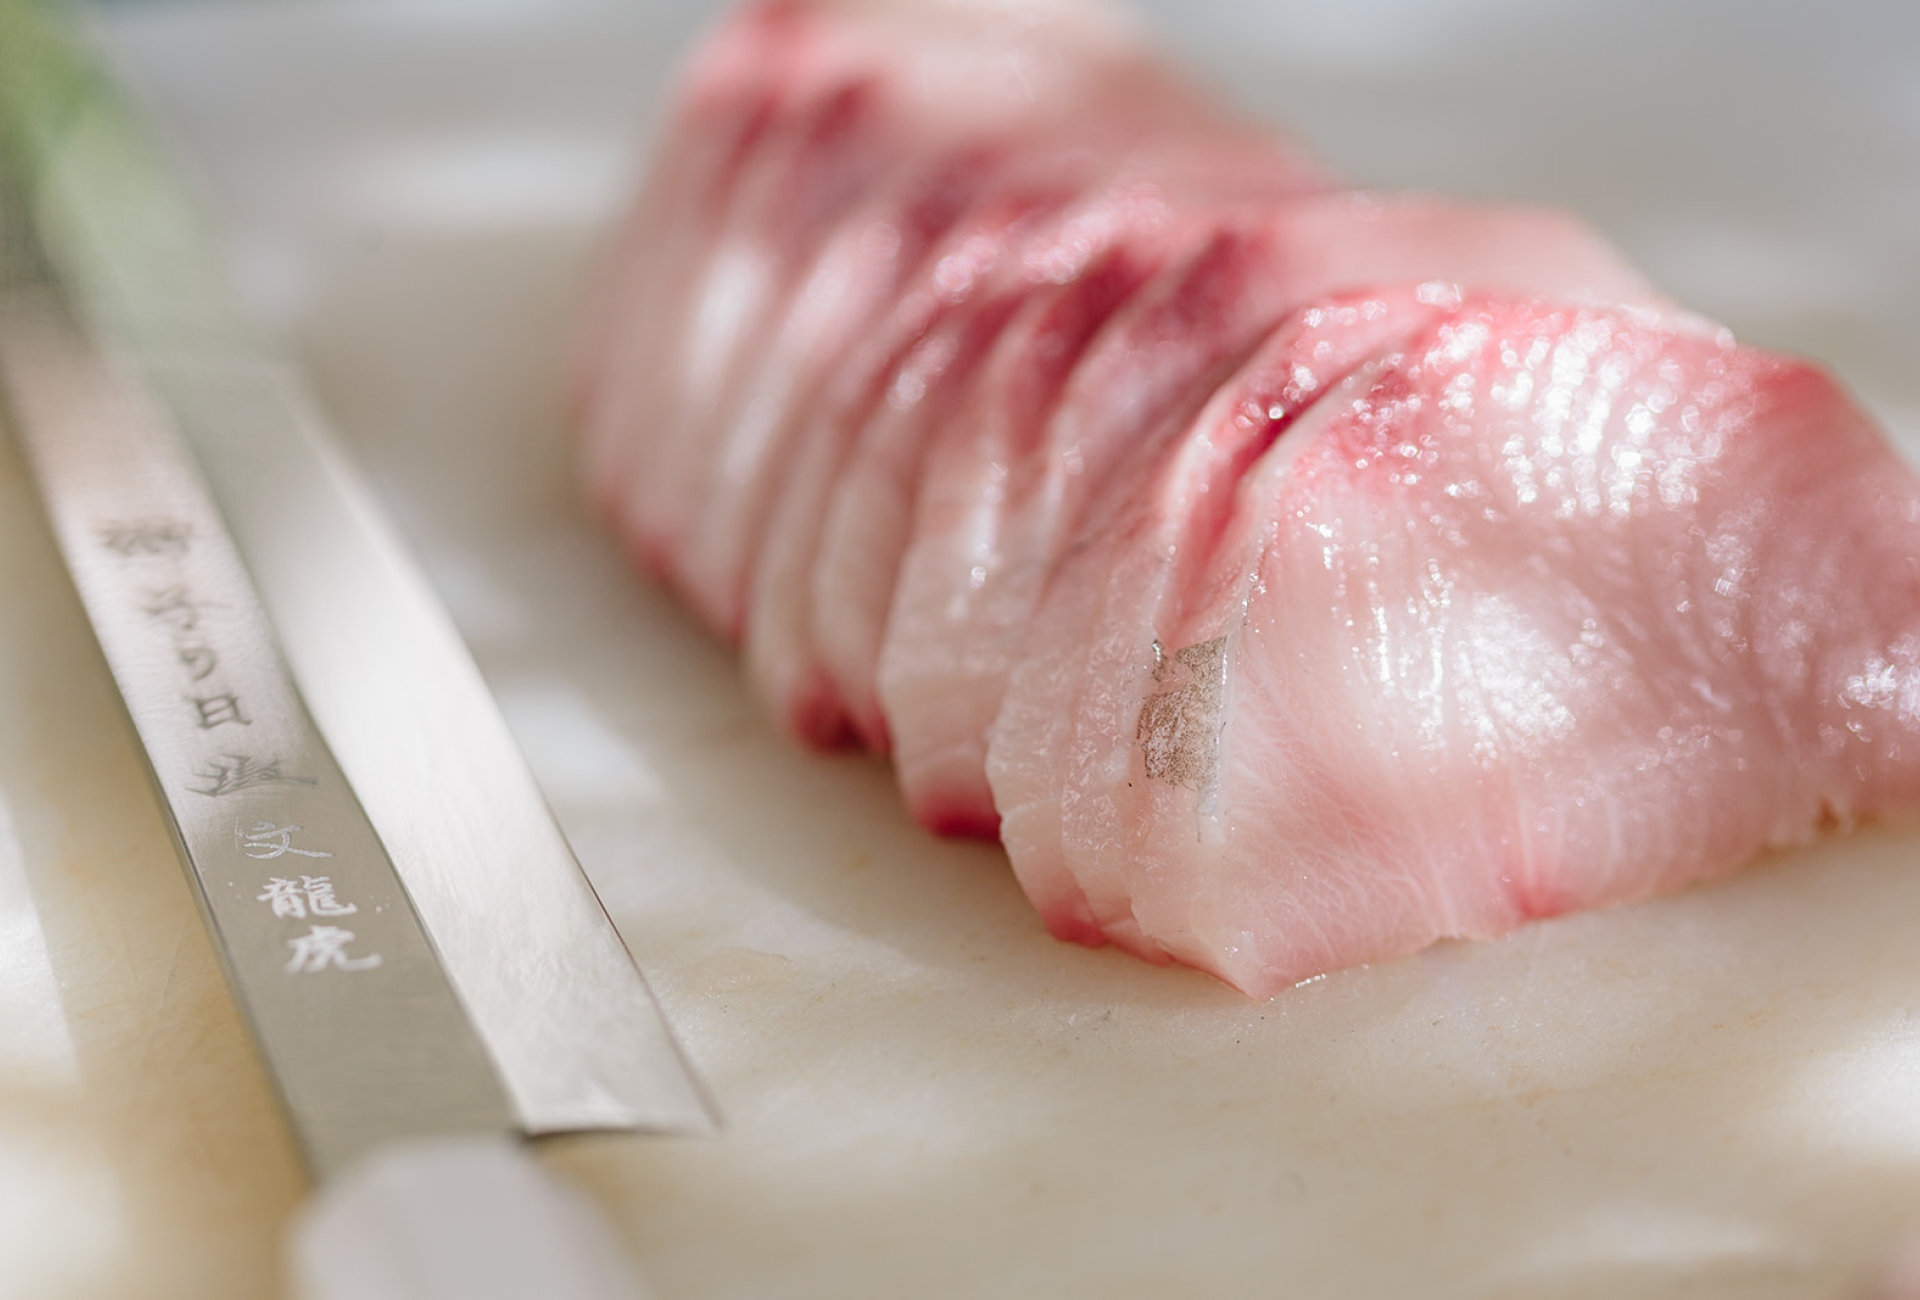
(1716, 1095)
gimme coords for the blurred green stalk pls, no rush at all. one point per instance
(87, 196)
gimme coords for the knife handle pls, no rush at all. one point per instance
(460, 1219)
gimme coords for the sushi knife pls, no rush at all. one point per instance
(424, 968)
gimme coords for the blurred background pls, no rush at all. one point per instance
(1760, 158)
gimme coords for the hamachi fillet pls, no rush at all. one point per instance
(1001, 502)
(1541, 608)
(1289, 576)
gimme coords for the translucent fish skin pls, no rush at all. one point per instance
(1541, 609)
(1289, 576)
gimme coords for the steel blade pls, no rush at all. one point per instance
(565, 1017)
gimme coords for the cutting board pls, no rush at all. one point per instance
(1715, 1095)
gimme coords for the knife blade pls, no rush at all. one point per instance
(364, 1033)
(414, 947)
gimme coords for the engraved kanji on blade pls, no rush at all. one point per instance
(266, 842)
(340, 984)
(232, 773)
(324, 947)
(176, 607)
(133, 538)
(199, 660)
(219, 710)
(298, 899)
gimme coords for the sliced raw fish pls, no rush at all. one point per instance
(725, 100)
(1291, 576)
(1546, 608)
(980, 281)
(824, 570)
(792, 193)
(1021, 362)
(734, 466)
(1002, 497)
(804, 111)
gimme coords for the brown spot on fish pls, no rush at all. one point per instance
(1179, 728)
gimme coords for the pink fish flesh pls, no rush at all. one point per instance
(1290, 577)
